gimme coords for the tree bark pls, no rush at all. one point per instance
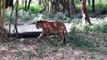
(89, 2)
(71, 7)
(15, 25)
(59, 5)
(2, 18)
(9, 3)
(0, 9)
(93, 5)
(84, 11)
(29, 4)
(26, 5)
(3, 32)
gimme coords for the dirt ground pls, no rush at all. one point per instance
(32, 49)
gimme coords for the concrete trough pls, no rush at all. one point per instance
(28, 30)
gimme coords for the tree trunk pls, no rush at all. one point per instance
(15, 25)
(93, 5)
(9, 3)
(2, 18)
(29, 4)
(59, 5)
(0, 9)
(71, 7)
(68, 5)
(26, 5)
(89, 2)
(10, 18)
(84, 11)
(2, 14)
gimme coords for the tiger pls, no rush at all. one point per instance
(55, 27)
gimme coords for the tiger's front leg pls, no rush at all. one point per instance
(40, 36)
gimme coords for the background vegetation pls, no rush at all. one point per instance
(84, 41)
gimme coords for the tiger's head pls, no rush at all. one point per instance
(38, 24)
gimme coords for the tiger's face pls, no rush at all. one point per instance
(38, 24)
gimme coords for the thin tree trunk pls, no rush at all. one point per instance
(26, 5)
(89, 2)
(9, 3)
(15, 25)
(10, 20)
(93, 5)
(71, 7)
(2, 11)
(2, 18)
(84, 11)
(22, 2)
(29, 4)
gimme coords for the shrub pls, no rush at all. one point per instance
(81, 41)
(35, 8)
(21, 7)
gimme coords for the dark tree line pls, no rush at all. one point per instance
(9, 3)
(59, 5)
(54, 6)
(66, 5)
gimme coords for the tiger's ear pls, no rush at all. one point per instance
(40, 20)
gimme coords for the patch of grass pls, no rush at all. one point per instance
(96, 27)
(102, 50)
(21, 7)
(86, 28)
(46, 49)
(81, 42)
(99, 28)
(35, 8)
(90, 37)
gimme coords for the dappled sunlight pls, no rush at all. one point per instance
(98, 20)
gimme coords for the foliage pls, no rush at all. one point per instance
(80, 41)
(35, 8)
(90, 37)
(59, 16)
(99, 5)
(21, 7)
(25, 16)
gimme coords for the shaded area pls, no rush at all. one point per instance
(24, 30)
(24, 34)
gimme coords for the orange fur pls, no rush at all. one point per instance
(52, 27)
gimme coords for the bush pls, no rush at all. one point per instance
(78, 40)
(59, 16)
(101, 27)
(35, 8)
(21, 7)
